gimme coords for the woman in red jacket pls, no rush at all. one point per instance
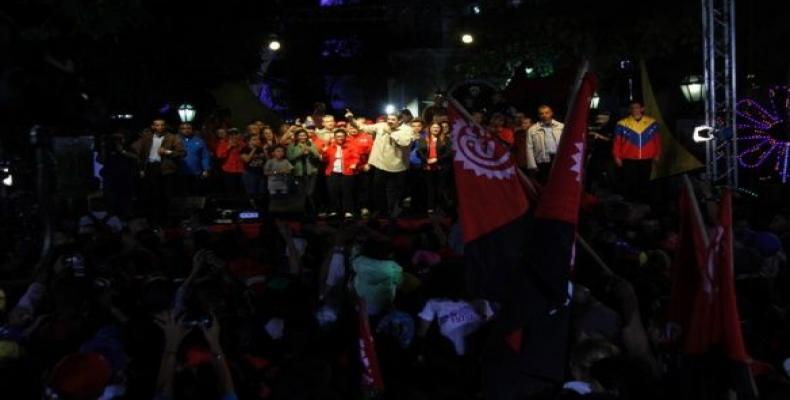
(229, 156)
(341, 163)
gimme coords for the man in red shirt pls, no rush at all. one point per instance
(362, 143)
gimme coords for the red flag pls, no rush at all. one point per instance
(371, 372)
(709, 286)
(562, 195)
(730, 327)
(689, 256)
(490, 194)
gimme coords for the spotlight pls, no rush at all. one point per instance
(389, 109)
(467, 38)
(274, 45)
(703, 133)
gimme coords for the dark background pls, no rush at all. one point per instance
(70, 64)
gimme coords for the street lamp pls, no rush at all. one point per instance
(692, 88)
(274, 45)
(595, 100)
(186, 112)
(467, 38)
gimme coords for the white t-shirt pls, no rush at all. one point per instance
(338, 166)
(457, 319)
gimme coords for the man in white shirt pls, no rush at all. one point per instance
(389, 158)
(543, 139)
(327, 131)
(160, 154)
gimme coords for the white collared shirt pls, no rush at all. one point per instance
(548, 135)
(156, 144)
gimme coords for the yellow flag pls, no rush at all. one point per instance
(675, 159)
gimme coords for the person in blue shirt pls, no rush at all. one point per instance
(197, 161)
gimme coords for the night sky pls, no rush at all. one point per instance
(74, 63)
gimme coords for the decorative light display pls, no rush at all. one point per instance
(765, 130)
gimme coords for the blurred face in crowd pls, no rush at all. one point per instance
(545, 114)
(221, 133)
(351, 130)
(279, 153)
(636, 110)
(446, 127)
(340, 137)
(253, 129)
(268, 135)
(329, 122)
(393, 121)
(302, 137)
(435, 129)
(360, 121)
(498, 121)
(185, 129)
(255, 141)
(477, 117)
(416, 126)
(526, 123)
(234, 137)
(260, 124)
(158, 126)
(520, 117)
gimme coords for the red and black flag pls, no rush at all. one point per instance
(551, 247)
(491, 204)
(703, 299)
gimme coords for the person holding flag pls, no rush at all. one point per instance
(526, 352)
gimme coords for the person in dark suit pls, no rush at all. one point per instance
(159, 154)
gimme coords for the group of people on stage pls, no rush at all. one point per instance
(354, 166)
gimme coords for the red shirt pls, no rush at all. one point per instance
(363, 143)
(230, 157)
(507, 135)
(349, 157)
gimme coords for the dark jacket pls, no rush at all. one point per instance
(444, 152)
(171, 163)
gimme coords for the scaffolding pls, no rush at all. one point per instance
(718, 30)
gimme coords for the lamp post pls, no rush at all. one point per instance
(186, 112)
(692, 88)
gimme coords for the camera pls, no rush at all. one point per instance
(75, 263)
(195, 320)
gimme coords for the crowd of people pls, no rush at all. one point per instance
(126, 306)
(346, 168)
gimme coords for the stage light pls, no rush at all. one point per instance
(8, 180)
(389, 109)
(703, 133)
(467, 38)
(476, 9)
(274, 45)
(186, 112)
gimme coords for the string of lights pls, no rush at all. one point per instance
(763, 140)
